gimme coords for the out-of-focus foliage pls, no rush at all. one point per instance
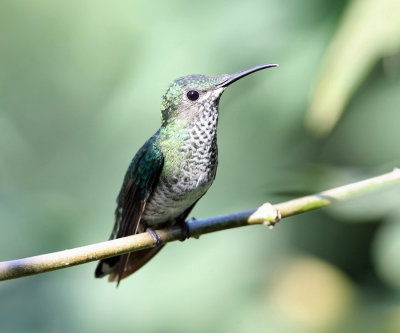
(370, 30)
(80, 87)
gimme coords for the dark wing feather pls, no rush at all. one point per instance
(140, 180)
(138, 259)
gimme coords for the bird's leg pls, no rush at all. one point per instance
(154, 235)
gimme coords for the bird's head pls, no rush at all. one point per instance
(190, 96)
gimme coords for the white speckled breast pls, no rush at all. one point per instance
(188, 180)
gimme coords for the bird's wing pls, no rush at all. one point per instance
(139, 182)
(135, 261)
(138, 259)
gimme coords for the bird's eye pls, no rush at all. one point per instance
(192, 95)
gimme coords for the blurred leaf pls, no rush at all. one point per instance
(386, 252)
(369, 30)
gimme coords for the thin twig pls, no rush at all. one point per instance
(266, 214)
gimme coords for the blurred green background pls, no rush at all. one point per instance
(80, 88)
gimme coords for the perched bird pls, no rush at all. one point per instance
(173, 169)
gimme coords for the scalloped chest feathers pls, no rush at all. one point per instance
(190, 165)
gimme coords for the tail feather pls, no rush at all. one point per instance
(106, 266)
(112, 266)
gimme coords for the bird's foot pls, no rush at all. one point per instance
(156, 238)
(185, 229)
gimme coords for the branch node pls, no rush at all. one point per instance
(267, 214)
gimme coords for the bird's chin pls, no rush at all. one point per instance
(218, 92)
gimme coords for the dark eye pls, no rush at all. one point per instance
(192, 95)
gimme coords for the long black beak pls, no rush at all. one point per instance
(238, 75)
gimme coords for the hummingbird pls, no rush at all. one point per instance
(173, 169)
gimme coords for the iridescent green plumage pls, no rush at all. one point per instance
(139, 180)
(173, 169)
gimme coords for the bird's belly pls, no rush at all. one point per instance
(171, 198)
